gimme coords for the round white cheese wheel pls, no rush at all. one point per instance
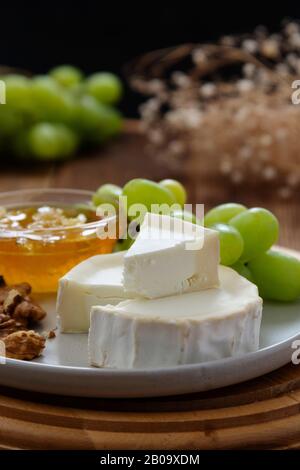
(182, 329)
(95, 281)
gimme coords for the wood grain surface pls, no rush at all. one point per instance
(261, 413)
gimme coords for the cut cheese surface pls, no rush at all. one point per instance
(194, 327)
(170, 257)
(95, 281)
(210, 303)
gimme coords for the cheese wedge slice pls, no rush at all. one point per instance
(194, 327)
(169, 257)
(95, 281)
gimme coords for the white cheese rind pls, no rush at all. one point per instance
(95, 281)
(192, 328)
(161, 262)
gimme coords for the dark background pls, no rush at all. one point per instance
(104, 35)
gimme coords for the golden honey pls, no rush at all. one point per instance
(39, 244)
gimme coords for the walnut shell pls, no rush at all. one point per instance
(25, 345)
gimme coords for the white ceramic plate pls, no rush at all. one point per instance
(63, 369)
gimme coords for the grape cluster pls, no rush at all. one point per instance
(246, 238)
(48, 117)
(143, 191)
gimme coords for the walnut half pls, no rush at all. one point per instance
(17, 312)
(12, 299)
(24, 345)
(28, 310)
(10, 326)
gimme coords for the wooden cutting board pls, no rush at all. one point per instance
(262, 413)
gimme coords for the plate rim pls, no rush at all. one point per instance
(55, 379)
(102, 371)
(134, 372)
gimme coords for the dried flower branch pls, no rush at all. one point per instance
(228, 104)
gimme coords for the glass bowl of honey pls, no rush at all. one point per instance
(46, 232)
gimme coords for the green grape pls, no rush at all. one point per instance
(123, 244)
(107, 194)
(67, 112)
(49, 141)
(69, 140)
(97, 122)
(276, 275)
(223, 213)
(111, 125)
(231, 244)
(18, 92)
(105, 87)
(77, 90)
(43, 141)
(177, 189)
(66, 75)
(243, 270)
(147, 192)
(89, 116)
(44, 87)
(13, 115)
(259, 229)
(187, 216)
(51, 101)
